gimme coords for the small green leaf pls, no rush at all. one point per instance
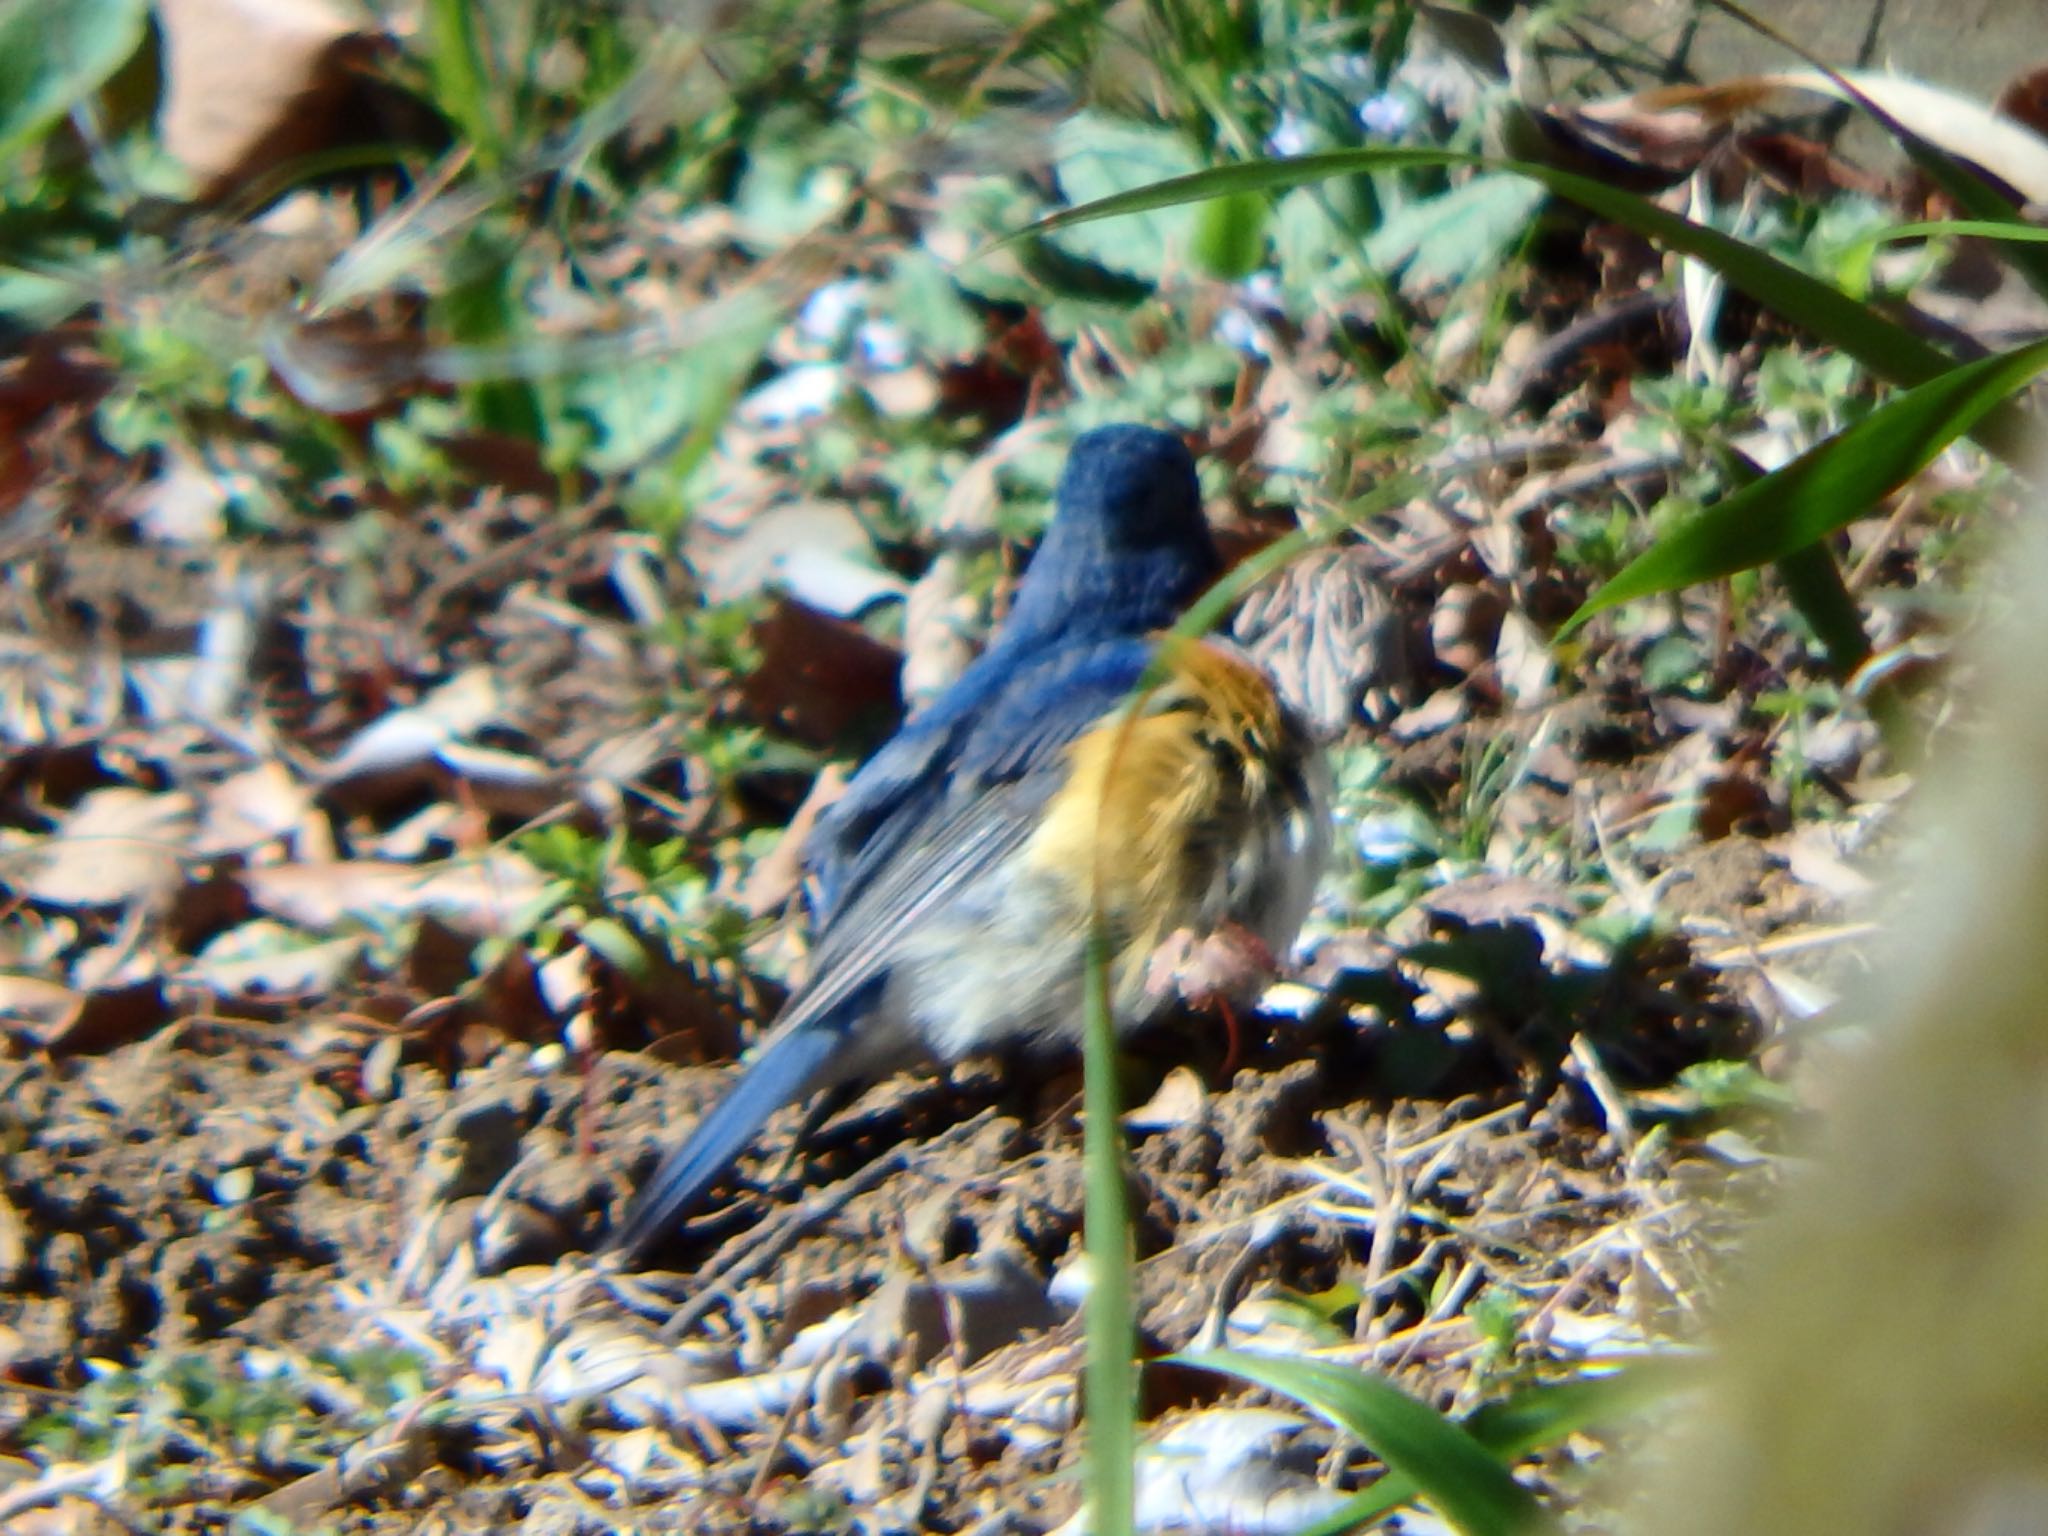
(1671, 663)
(459, 68)
(642, 409)
(923, 298)
(1098, 157)
(1529, 1421)
(617, 943)
(1445, 239)
(52, 56)
(1725, 1085)
(36, 299)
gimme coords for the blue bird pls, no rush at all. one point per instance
(958, 874)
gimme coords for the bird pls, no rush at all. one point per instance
(956, 879)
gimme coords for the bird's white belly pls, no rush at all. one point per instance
(998, 967)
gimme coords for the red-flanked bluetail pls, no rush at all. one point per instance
(959, 874)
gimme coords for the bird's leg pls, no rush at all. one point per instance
(1233, 1039)
(815, 1114)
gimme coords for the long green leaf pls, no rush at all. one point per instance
(1529, 1421)
(1451, 1469)
(1824, 488)
(1987, 229)
(1814, 583)
(1887, 349)
(463, 88)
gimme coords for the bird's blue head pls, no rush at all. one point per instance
(1128, 548)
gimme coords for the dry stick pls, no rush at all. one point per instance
(1887, 536)
(952, 1314)
(1215, 1331)
(808, 1393)
(1593, 1072)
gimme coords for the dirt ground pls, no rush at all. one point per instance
(398, 830)
(315, 1188)
(310, 1229)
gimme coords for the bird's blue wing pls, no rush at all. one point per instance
(898, 785)
(1031, 723)
(991, 727)
(1002, 766)
(943, 760)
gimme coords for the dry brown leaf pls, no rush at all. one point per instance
(1499, 898)
(938, 621)
(1526, 670)
(270, 961)
(250, 84)
(487, 892)
(1178, 1101)
(187, 503)
(13, 1241)
(818, 675)
(1465, 626)
(775, 877)
(1813, 856)
(36, 1000)
(819, 551)
(408, 738)
(1963, 125)
(974, 497)
(1287, 401)
(1439, 712)
(111, 1016)
(251, 809)
(116, 845)
(904, 393)
(1229, 1469)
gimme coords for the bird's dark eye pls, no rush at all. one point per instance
(1231, 751)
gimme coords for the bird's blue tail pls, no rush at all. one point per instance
(788, 1069)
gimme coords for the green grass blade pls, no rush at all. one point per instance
(1887, 349)
(1529, 1421)
(1984, 229)
(1112, 1385)
(1814, 583)
(1112, 1313)
(1542, 1416)
(1459, 1476)
(1824, 488)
